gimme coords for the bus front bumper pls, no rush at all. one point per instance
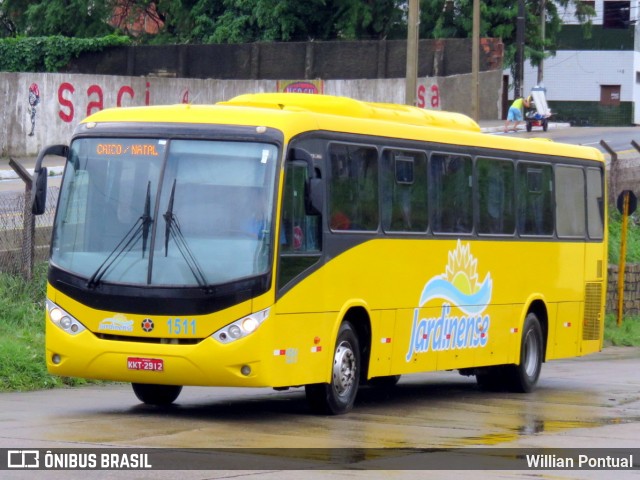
(207, 363)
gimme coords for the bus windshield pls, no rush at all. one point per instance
(165, 212)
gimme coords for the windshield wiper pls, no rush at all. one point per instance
(146, 219)
(139, 230)
(172, 229)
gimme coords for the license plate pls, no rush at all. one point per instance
(150, 364)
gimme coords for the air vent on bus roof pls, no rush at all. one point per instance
(333, 105)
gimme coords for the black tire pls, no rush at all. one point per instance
(529, 126)
(524, 376)
(545, 125)
(152, 394)
(389, 381)
(337, 397)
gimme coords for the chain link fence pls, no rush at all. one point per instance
(16, 235)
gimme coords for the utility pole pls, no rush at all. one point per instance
(543, 24)
(520, 50)
(412, 52)
(475, 63)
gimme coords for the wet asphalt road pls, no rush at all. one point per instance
(588, 402)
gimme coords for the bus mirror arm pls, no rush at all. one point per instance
(300, 155)
(39, 185)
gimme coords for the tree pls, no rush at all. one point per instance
(70, 18)
(453, 18)
(241, 21)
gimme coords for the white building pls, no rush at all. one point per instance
(595, 81)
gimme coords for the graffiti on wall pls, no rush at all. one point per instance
(53, 109)
(428, 96)
(34, 100)
(300, 86)
(95, 97)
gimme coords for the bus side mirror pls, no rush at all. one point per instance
(39, 186)
(313, 197)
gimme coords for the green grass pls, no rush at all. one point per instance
(627, 334)
(22, 364)
(615, 233)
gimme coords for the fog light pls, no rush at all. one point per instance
(245, 370)
(55, 358)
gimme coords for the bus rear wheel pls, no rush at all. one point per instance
(152, 394)
(337, 397)
(523, 377)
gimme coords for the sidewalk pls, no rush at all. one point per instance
(55, 165)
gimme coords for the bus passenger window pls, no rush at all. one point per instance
(595, 204)
(495, 195)
(353, 187)
(450, 188)
(404, 191)
(570, 202)
(534, 199)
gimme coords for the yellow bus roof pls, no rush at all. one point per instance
(295, 113)
(348, 107)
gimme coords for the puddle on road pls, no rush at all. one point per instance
(536, 426)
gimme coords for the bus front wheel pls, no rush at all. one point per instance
(523, 377)
(152, 394)
(337, 397)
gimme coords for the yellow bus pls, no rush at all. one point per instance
(290, 240)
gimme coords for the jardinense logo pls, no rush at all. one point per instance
(461, 291)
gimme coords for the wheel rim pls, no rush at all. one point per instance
(344, 369)
(531, 355)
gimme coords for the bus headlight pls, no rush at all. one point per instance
(249, 324)
(63, 320)
(241, 328)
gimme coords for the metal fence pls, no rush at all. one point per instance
(21, 244)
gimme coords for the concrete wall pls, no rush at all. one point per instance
(66, 99)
